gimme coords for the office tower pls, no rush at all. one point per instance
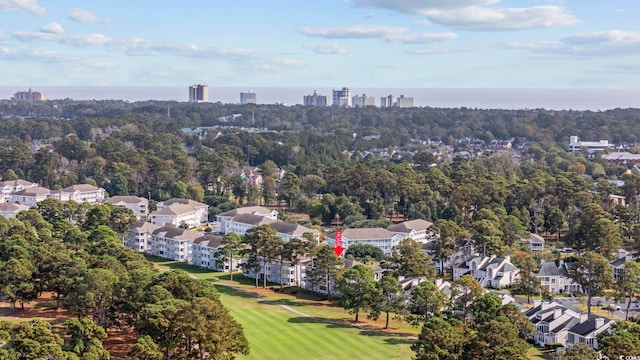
(29, 95)
(316, 99)
(404, 102)
(342, 97)
(248, 97)
(386, 101)
(198, 93)
(363, 100)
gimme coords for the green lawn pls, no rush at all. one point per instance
(276, 333)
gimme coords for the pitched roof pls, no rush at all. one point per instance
(143, 226)
(246, 210)
(36, 191)
(408, 226)
(535, 238)
(174, 201)
(178, 209)
(176, 233)
(548, 268)
(9, 207)
(587, 326)
(209, 240)
(366, 233)
(252, 219)
(81, 188)
(125, 199)
(291, 229)
(15, 183)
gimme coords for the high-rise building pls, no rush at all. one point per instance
(404, 102)
(316, 99)
(363, 100)
(342, 97)
(29, 95)
(248, 97)
(386, 101)
(198, 93)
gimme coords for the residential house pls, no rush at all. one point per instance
(622, 256)
(29, 196)
(379, 237)
(586, 332)
(139, 235)
(80, 193)
(173, 243)
(139, 205)
(224, 217)
(419, 230)
(552, 322)
(556, 278)
(10, 210)
(536, 242)
(201, 210)
(494, 272)
(10, 186)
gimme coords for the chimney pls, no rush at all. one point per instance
(599, 322)
(557, 312)
(583, 317)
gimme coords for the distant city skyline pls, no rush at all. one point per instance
(539, 44)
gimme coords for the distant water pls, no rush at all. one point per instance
(552, 99)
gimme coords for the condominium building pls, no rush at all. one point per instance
(198, 93)
(386, 101)
(363, 100)
(342, 97)
(401, 101)
(404, 102)
(248, 98)
(315, 99)
(29, 95)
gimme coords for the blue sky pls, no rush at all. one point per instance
(571, 44)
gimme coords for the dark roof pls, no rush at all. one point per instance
(548, 268)
(209, 240)
(571, 322)
(618, 262)
(588, 326)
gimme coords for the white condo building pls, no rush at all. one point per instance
(342, 97)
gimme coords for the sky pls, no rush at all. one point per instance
(545, 44)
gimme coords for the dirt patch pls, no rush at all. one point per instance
(118, 342)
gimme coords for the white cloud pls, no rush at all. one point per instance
(87, 40)
(35, 36)
(496, 19)
(328, 48)
(81, 15)
(30, 6)
(52, 28)
(603, 43)
(420, 6)
(389, 33)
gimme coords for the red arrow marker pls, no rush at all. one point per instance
(338, 248)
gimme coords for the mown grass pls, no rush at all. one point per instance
(274, 332)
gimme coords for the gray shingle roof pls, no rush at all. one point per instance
(124, 199)
(408, 226)
(548, 268)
